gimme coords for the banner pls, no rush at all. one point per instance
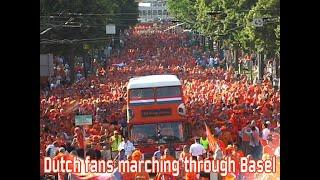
(211, 139)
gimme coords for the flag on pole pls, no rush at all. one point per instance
(211, 139)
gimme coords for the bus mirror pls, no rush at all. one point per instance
(182, 109)
(130, 114)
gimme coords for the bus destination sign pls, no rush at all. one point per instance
(156, 112)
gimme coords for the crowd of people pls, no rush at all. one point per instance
(242, 115)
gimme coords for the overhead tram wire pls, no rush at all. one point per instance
(64, 41)
(79, 15)
(98, 14)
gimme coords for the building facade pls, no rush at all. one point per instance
(153, 10)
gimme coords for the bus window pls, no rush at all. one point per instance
(146, 93)
(172, 91)
(171, 131)
(144, 134)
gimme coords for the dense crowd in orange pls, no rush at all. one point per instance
(214, 95)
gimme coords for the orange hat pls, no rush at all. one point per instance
(230, 176)
(136, 155)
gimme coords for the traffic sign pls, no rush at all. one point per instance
(83, 120)
(110, 29)
(257, 22)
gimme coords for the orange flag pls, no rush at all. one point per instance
(211, 139)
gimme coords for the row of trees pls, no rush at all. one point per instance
(75, 27)
(229, 22)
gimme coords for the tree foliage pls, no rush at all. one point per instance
(231, 21)
(183, 10)
(87, 20)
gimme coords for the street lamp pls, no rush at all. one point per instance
(214, 13)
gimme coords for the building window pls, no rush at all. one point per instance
(149, 12)
(160, 12)
(144, 12)
(154, 12)
(165, 12)
(140, 13)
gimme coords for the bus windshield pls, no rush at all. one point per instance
(171, 91)
(145, 133)
(148, 133)
(145, 93)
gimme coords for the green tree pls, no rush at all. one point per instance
(82, 19)
(231, 22)
(183, 10)
(265, 38)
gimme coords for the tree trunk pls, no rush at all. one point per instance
(260, 66)
(203, 42)
(277, 70)
(71, 62)
(236, 54)
(85, 60)
(251, 73)
(210, 42)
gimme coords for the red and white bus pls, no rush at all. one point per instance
(156, 113)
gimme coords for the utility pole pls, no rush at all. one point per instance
(236, 56)
(260, 66)
(251, 74)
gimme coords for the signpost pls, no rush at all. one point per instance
(110, 29)
(257, 22)
(82, 120)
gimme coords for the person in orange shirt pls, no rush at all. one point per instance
(246, 138)
(136, 155)
(62, 155)
(41, 165)
(230, 176)
(226, 137)
(263, 142)
(248, 175)
(267, 149)
(166, 175)
(184, 153)
(229, 150)
(80, 141)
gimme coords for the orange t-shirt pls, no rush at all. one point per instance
(267, 150)
(65, 157)
(166, 175)
(141, 175)
(190, 176)
(128, 176)
(41, 166)
(80, 140)
(226, 137)
(221, 145)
